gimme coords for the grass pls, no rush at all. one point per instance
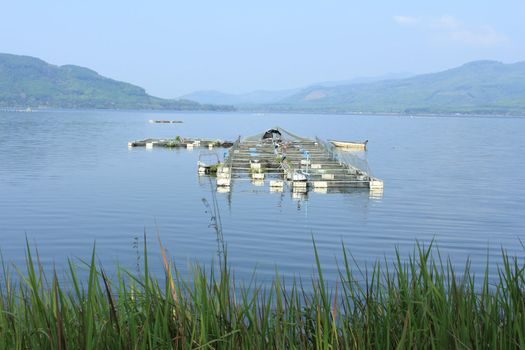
(420, 303)
(260, 170)
(176, 142)
(214, 167)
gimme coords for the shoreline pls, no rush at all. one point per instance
(272, 112)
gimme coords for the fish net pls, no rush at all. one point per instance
(285, 136)
(352, 159)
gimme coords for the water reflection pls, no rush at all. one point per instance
(67, 179)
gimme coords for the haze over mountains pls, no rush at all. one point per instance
(253, 97)
(479, 87)
(30, 82)
(273, 96)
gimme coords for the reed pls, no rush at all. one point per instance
(421, 302)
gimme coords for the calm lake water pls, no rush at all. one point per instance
(68, 179)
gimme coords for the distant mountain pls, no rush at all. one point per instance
(30, 82)
(363, 80)
(254, 97)
(273, 96)
(480, 87)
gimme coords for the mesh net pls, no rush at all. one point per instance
(356, 160)
(285, 135)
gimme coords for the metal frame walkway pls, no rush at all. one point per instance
(300, 162)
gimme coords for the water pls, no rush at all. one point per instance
(68, 180)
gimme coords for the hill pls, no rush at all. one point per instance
(30, 82)
(274, 96)
(480, 87)
(254, 97)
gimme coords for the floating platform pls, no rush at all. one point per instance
(278, 157)
(180, 142)
(153, 121)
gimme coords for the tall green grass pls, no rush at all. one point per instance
(421, 302)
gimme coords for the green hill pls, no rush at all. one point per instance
(30, 82)
(480, 87)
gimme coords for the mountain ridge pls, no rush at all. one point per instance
(478, 87)
(262, 96)
(256, 96)
(27, 81)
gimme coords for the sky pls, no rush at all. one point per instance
(175, 47)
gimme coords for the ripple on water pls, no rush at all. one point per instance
(67, 179)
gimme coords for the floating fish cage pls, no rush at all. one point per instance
(180, 142)
(280, 158)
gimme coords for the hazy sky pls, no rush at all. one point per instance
(175, 47)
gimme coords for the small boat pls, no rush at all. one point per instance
(349, 144)
(152, 121)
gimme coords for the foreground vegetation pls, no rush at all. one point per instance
(420, 303)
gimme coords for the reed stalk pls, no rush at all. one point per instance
(422, 302)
